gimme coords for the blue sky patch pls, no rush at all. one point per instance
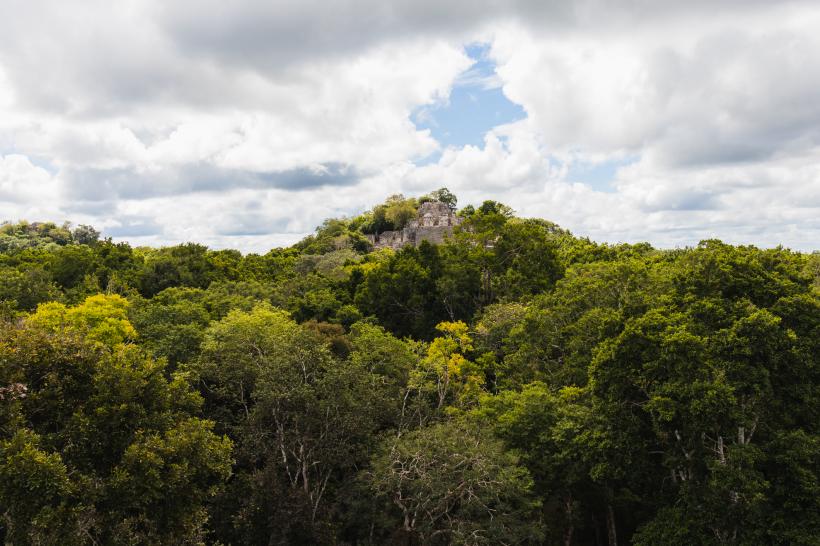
(43, 163)
(476, 104)
(37, 161)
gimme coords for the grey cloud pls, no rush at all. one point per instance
(733, 91)
(96, 58)
(275, 34)
(329, 174)
(749, 98)
(99, 59)
(102, 207)
(692, 200)
(108, 185)
(134, 226)
(251, 223)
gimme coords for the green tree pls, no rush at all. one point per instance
(23, 290)
(702, 395)
(301, 419)
(182, 265)
(559, 439)
(85, 235)
(401, 292)
(171, 325)
(399, 211)
(445, 196)
(114, 449)
(34, 486)
(451, 484)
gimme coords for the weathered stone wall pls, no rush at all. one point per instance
(434, 214)
(434, 223)
(391, 239)
(435, 235)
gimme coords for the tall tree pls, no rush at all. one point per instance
(453, 484)
(302, 420)
(113, 451)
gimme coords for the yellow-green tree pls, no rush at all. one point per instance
(97, 444)
(445, 373)
(100, 319)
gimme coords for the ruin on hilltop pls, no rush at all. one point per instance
(434, 221)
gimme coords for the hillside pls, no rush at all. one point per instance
(417, 374)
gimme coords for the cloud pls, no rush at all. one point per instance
(736, 88)
(133, 226)
(26, 190)
(247, 123)
(107, 185)
(768, 202)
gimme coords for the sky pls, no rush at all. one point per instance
(245, 124)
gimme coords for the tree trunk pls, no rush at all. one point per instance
(570, 528)
(568, 535)
(610, 526)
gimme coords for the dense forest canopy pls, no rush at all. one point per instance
(514, 385)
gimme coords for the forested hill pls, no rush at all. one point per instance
(513, 385)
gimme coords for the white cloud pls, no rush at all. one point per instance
(26, 190)
(728, 88)
(247, 123)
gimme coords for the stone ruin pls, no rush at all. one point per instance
(433, 223)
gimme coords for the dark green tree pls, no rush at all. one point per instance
(453, 484)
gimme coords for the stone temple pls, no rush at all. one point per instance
(434, 222)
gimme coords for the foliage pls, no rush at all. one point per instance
(455, 485)
(444, 373)
(299, 417)
(100, 446)
(515, 384)
(101, 319)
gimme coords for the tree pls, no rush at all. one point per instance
(445, 374)
(172, 323)
(23, 290)
(85, 235)
(514, 384)
(301, 420)
(34, 485)
(702, 394)
(400, 211)
(451, 484)
(26, 235)
(492, 257)
(101, 319)
(182, 265)
(100, 447)
(401, 292)
(555, 340)
(558, 437)
(528, 259)
(70, 264)
(443, 195)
